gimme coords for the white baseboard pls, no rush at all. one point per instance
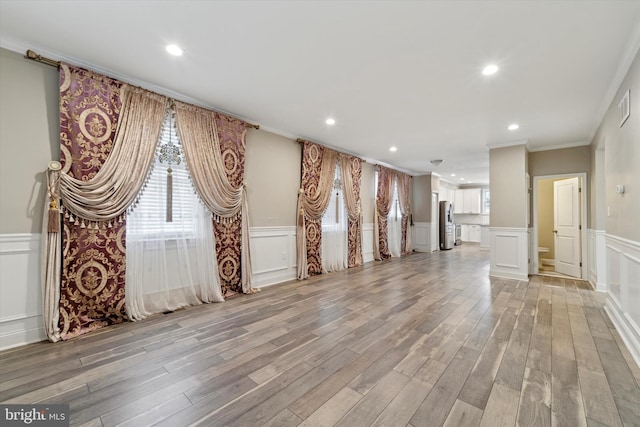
(625, 326)
(20, 292)
(509, 252)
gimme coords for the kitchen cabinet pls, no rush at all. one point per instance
(474, 233)
(467, 201)
(458, 203)
(464, 232)
(470, 233)
(484, 236)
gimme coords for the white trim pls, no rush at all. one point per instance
(535, 264)
(559, 146)
(273, 254)
(524, 142)
(421, 237)
(509, 252)
(626, 328)
(621, 258)
(21, 306)
(600, 259)
(367, 242)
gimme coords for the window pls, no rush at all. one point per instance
(151, 207)
(486, 201)
(334, 229)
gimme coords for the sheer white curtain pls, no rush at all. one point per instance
(394, 224)
(335, 252)
(169, 264)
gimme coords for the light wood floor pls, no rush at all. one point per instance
(426, 340)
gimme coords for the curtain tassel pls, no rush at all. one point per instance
(54, 216)
(169, 195)
(82, 224)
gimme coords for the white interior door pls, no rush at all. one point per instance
(435, 222)
(566, 226)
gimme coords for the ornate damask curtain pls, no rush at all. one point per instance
(384, 193)
(108, 132)
(404, 188)
(318, 166)
(214, 147)
(351, 175)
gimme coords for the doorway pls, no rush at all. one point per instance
(559, 225)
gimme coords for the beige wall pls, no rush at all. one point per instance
(545, 217)
(29, 128)
(507, 168)
(564, 160)
(272, 173)
(421, 194)
(368, 192)
(621, 160)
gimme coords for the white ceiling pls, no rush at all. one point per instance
(389, 72)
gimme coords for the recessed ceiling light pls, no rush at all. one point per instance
(453, 174)
(461, 179)
(330, 121)
(174, 50)
(513, 126)
(393, 149)
(490, 69)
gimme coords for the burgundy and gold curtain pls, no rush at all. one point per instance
(384, 195)
(93, 259)
(351, 176)
(108, 133)
(214, 146)
(318, 168)
(404, 188)
(231, 134)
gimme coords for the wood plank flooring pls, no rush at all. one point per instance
(426, 340)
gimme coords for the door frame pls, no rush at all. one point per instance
(535, 262)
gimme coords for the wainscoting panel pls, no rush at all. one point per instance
(20, 292)
(421, 237)
(600, 259)
(273, 254)
(509, 252)
(367, 242)
(623, 286)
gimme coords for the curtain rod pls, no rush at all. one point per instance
(48, 61)
(39, 58)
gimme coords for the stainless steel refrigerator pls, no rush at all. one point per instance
(447, 228)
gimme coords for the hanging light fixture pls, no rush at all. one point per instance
(170, 154)
(337, 185)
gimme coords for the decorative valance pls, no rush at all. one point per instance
(218, 177)
(108, 136)
(318, 167)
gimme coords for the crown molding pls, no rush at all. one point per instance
(524, 142)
